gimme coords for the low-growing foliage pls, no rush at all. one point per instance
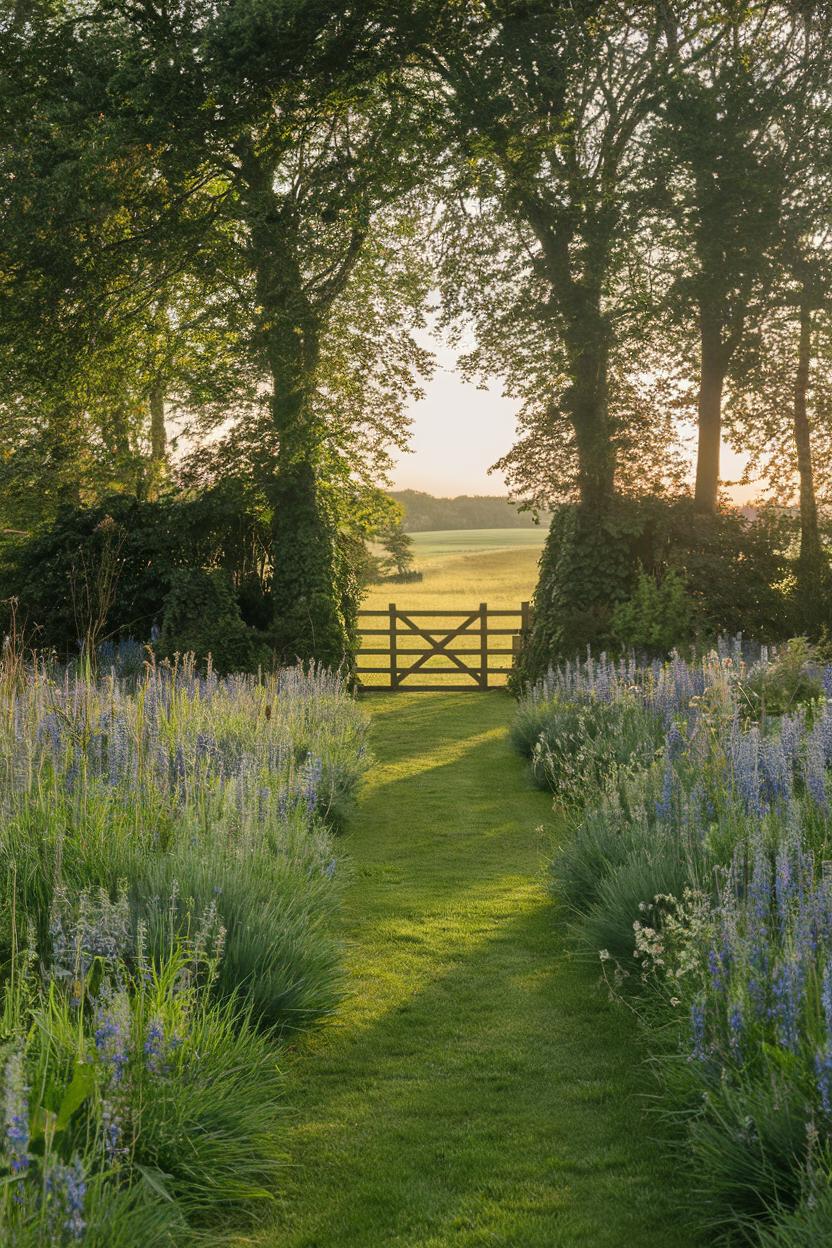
(657, 617)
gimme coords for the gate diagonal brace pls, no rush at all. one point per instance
(439, 643)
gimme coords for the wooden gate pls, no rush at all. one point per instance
(436, 645)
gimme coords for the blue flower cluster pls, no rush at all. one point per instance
(730, 829)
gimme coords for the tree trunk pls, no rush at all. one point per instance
(312, 613)
(313, 607)
(587, 337)
(158, 433)
(810, 543)
(711, 381)
(590, 420)
(814, 582)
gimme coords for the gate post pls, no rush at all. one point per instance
(483, 645)
(394, 659)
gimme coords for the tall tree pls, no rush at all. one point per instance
(731, 73)
(263, 142)
(549, 106)
(547, 101)
(779, 397)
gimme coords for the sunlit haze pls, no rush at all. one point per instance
(459, 431)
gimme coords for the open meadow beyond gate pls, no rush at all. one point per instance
(426, 650)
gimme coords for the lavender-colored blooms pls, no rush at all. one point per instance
(154, 1046)
(16, 1113)
(664, 805)
(66, 1190)
(748, 802)
(112, 1034)
(735, 1030)
(823, 1075)
(697, 1027)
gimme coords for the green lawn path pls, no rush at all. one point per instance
(476, 1088)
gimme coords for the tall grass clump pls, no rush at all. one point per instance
(701, 879)
(169, 875)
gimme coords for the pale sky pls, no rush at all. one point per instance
(459, 431)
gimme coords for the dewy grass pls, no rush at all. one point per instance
(474, 1088)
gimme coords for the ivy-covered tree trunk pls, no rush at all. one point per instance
(589, 410)
(312, 610)
(587, 564)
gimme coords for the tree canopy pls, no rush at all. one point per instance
(224, 228)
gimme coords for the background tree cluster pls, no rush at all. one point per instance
(223, 227)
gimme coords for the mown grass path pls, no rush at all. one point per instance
(476, 1088)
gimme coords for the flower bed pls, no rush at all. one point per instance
(699, 872)
(169, 874)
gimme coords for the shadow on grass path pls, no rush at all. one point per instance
(476, 1088)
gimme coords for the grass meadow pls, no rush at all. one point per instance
(474, 1088)
(460, 569)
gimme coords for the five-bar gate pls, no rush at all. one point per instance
(435, 645)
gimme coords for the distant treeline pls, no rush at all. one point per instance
(423, 512)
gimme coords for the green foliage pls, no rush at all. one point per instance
(211, 1129)
(189, 1118)
(315, 589)
(425, 513)
(747, 1149)
(279, 954)
(399, 548)
(697, 880)
(813, 592)
(166, 880)
(653, 571)
(585, 569)
(201, 616)
(789, 681)
(657, 617)
(577, 747)
(222, 527)
(809, 1223)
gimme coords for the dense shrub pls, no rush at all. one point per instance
(201, 616)
(54, 572)
(653, 573)
(659, 616)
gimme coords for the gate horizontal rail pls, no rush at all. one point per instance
(470, 663)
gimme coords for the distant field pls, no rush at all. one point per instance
(462, 568)
(450, 542)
